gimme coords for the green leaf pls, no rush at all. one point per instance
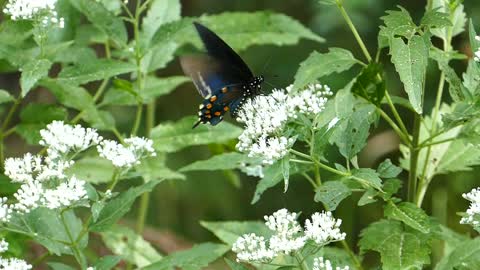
(107, 262)
(391, 187)
(456, 15)
(411, 62)
(397, 23)
(318, 65)
(59, 266)
(321, 138)
(171, 137)
(46, 227)
(229, 231)
(464, 255)
(155, 168)
(103, 19)
(119, 206)
(93, 71)
(197, 257)
(37, 116)
(154, 88)
(471, 78)
(130, 246)
(386, 169)
(475, 44)
(71, 96)
(234, 265)
(94, 170)
(285, 161)
(435, 19)
(460, 156)
(367, 177)
(369, 84)
(5, 97)
(455, 84)
(225, 161)
(409, 214)
(399, 248)
(159, 13)
(368, 197)
(331, 193)
(32, 72)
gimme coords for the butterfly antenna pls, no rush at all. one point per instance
(272, 85)
(196, 124)
(266, 64)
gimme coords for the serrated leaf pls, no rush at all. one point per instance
(455, 84)
(130, 246)
(465, 254)
(225, 161)
(367, 177)
(435, 19)
(171, 137)
(471, 78)
(387, 169)
(119, 206)
(159, 13)
(321, 138)
(5, 97)
(93, 71)
(229, 231)
(399, 248)
(197, 257)
(369, 84)
(107, 262)
(368, 197)
(94, 170)
(397, 23)
(411, 62)
(391, 187)
(103, 19)
(318, 65)
(474, 44)
(331, 194)
(234, 265)
(457, 18)
(409, 214)
(32, 72)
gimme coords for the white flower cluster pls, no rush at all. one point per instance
(11, 263)
(41, 10)
(322, 264)
(266, 116)
(473, 212)
(476, 55)
(44, 181)
(128, 155)
(288, 237)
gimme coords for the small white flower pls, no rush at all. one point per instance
(41, 10)
(128, 155)
(65, 194)
(62, 139)
(324, 228)
(287, 238)
(473, 212)
(90, 268)
(3, 245)
(29, 196)
(22, 170)
(252, 248)
(5, 210)
(322, 264)
(14, 264)
(252, 170)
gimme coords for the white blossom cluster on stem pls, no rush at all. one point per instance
(288, 236)
(323, 264)
(44, 181)
(11, 263)
(265, 118)
(472, 215)
(41, 10)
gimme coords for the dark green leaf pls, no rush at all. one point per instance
(94, 170)
(35, 117)
(93, 71)
(32, 72)
(331, 193)
(197, 257)
(369, 84)
(456, 88)
(171, 137)
(409, 214)
(386, 169)
(397, 23)
(391, 187)
(107, 262)
(119, 206)
(229, 231)
(130, 246)
(318, 65)
(368, 197)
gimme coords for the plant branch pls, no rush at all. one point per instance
(414, 151)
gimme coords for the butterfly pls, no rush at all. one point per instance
(221, 77)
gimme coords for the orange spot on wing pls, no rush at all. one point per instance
(224, 90)
(226, 108)
(207, 112)
(212, 99)
(218, 113)
(209, 106)
(208, 116)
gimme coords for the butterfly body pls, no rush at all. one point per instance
(221, 77)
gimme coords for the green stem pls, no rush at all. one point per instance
(403, 136)
(79, 256)
(41, 259)
(3, 129)
(396, 115)
(138, 119)
(414, 151)
(309, 179)
(302, 264)
(422, 145)
(354, 258)
(142, 214)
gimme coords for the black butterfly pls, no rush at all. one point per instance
(221, 77)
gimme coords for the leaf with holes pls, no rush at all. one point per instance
(331, 194)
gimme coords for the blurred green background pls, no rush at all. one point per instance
(177, 206)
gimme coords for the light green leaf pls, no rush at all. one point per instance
(460, 156)
(225, 161)
(113, 6)
(94, 170)
(130, 246)
(411, 62)
(471, 78)
(59, 266)
(386, 169)
(475, 44)
(5, 97)
(234, 265)
(171, 137)
(318, 65)
(455, 84)
(435, 19)
(230, 231)
(198, 257)
(159, 13)
(399, 249)
(103, 19)
(409, 214)
(119, 206)
(32, 72)
(368, 197)
(464, 255)
(397, 23)
(367, 177)
(457, 18)
(107, 262)
(71, 96)
(93, 71)
(331, 193)
(155, 168)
